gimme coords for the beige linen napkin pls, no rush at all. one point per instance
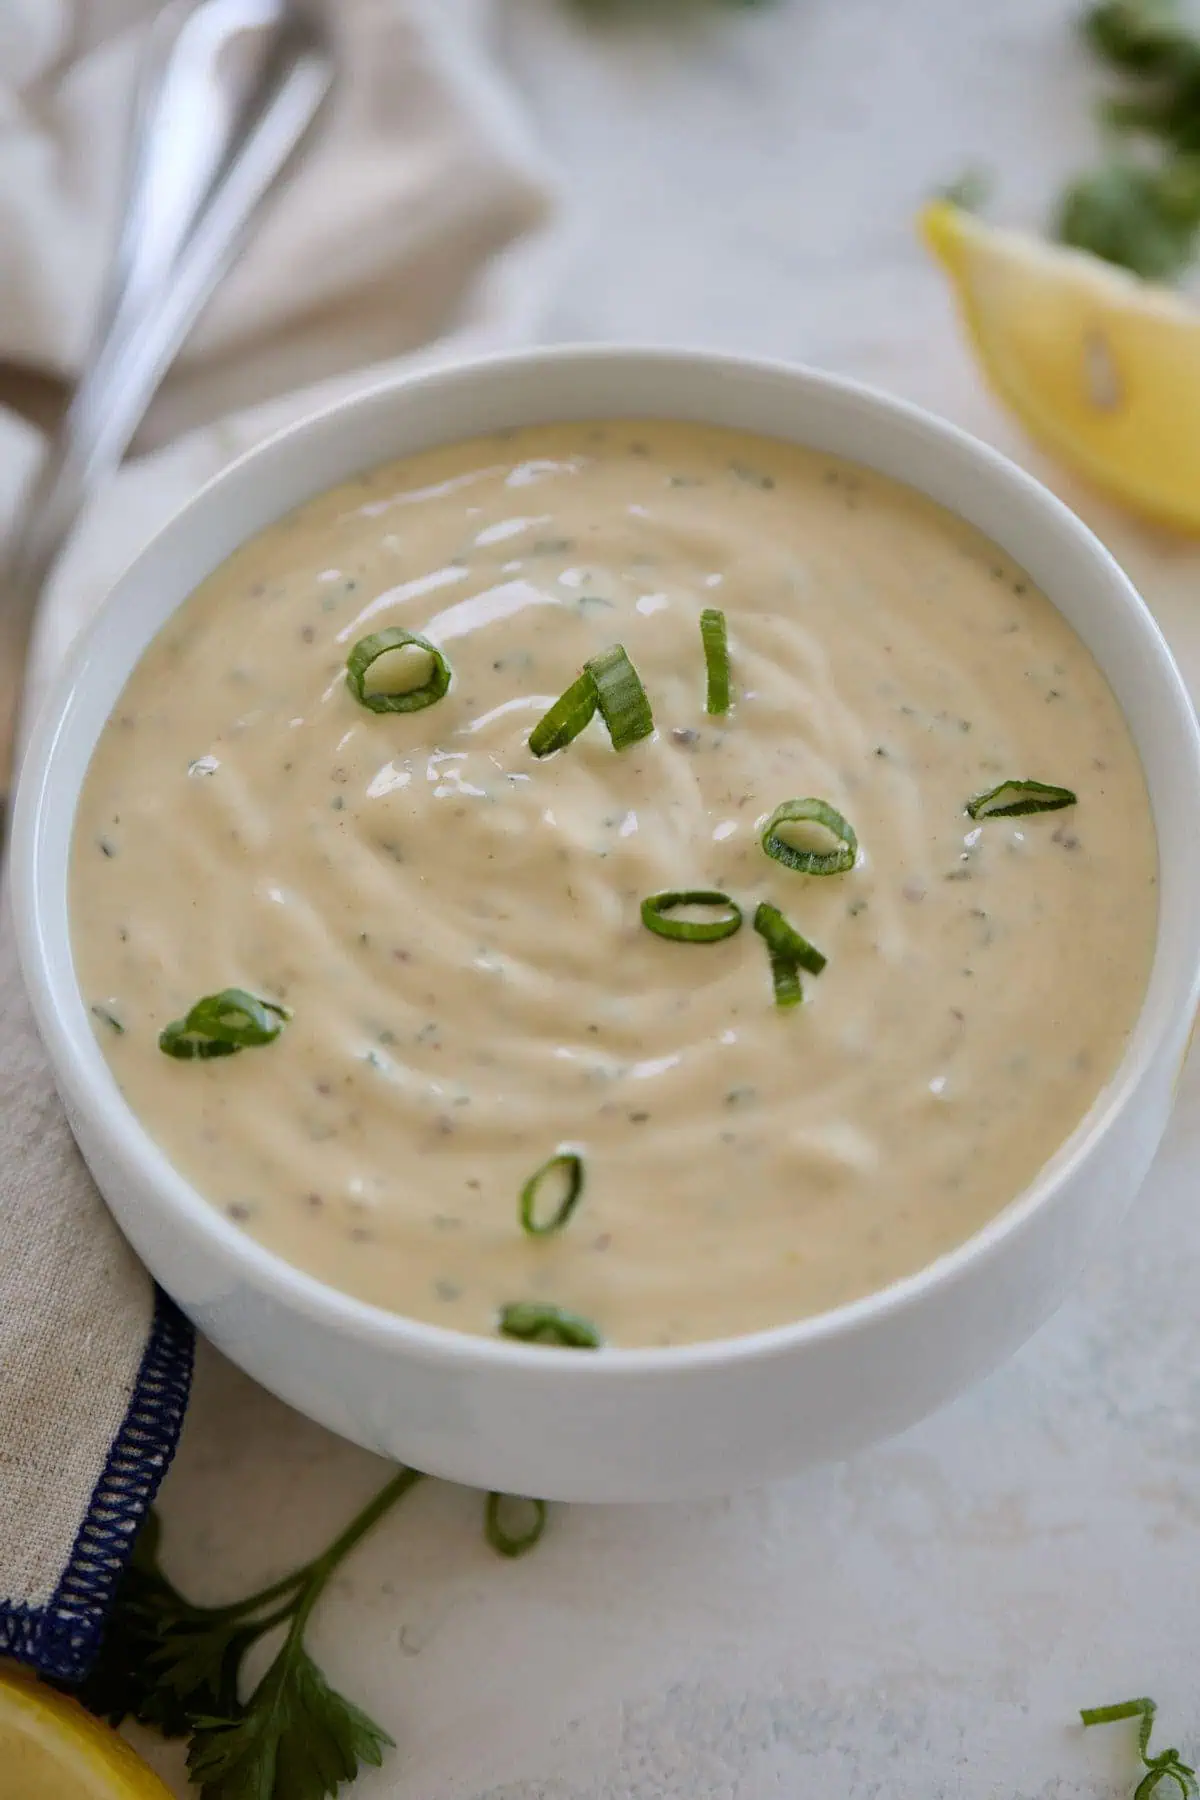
(417, 227)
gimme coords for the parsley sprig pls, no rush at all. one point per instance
(175, 1666)
(1141, 208)
(1166, 1766)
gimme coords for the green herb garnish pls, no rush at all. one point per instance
(537, 1322)
(620, 697)
(108, 1017)
(221, 1024)
(1012, 799)
(505, 1538)
(175, 1667)
(714, 637)
(566, 718)
(608, 682)
(811, 860)
(788, 951)
(569, 1166)
(1166, 1766)
(1141, 210)
(1147, 38)
(657, 908)
(783, 939)
(401, 694)
(1142, 219)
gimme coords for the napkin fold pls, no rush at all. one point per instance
(418, 227)
(95, 1364)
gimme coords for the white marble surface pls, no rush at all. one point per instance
(924, 1621)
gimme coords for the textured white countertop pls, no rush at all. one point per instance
(926, 1620)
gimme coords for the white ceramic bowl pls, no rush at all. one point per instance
(622, 1424)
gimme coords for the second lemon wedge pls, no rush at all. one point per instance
(51, 1749)
(1101, 368)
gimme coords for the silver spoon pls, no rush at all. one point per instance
(207, 148)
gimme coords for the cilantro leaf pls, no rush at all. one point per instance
(297, 1739)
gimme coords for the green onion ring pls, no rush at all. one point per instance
(620, 697)
(220, 1024)
(512, 1543)
(782, 939)
(1013, 798)
(572, 1166)
(566, 718)
(716, 659)
(537, 1322)
(811, 862)
(368, 650)
(656, 907)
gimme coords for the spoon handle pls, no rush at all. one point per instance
(207, 151)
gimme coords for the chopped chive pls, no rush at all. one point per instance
(506, 1542)
(716, 659)
(109, 1018)
(403, 698)
(571, 1166)
(1014, 798)
(656, 910)
(782, 939)
(811, 861)
(620, 697)
(537, 1322)
(221, 1024)
(566, 718)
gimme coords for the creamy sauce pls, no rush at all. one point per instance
(455, 924)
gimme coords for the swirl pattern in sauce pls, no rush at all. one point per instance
(455, 925)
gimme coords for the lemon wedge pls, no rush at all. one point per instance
(1102, 369)
(51, 1749)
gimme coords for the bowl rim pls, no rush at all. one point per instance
(90, 1088)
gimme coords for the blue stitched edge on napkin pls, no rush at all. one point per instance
(61, 1639)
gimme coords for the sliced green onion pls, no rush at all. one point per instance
(566, 718)
(536, 1322)
(811, 861)
(176, 1040)
(504, 1541)
(1013, 798)
(620, 697)
(220, 1024)
(716, 659)
(785, 977)
(368, 650)
(656, 909)
(782, 939)
(571, 1166)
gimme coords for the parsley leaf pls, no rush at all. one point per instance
(1142, 219)
(165, 1660)
(296, 1739)
(176, 1666)
(1147, 38)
